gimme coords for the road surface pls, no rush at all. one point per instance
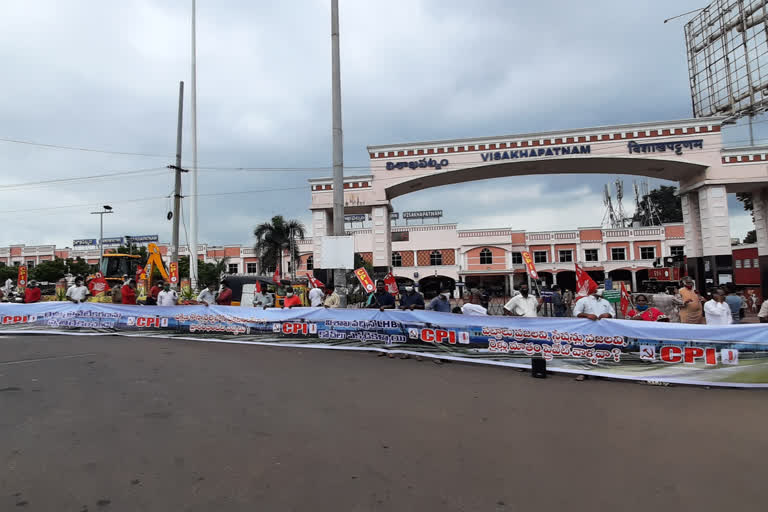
(92, 423)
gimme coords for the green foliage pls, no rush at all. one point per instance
(746, 199)
(6, 272)
(664, 205)
(751, 237)
(211, 272)
(360, 262)
(139, 250)
(79, 266)
(49, 271)
(272, 238)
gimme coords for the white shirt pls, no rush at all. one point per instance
(77, 293)
(167, 298)
(763, 310)
(593, 306)
(316, 297)
(207, 296)
(523, 306)
(717, 313)
(473, 309)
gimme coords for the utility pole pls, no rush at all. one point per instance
(106, 209)
(177, 185)
(339, 277)
(193, 182)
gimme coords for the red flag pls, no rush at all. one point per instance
(257, 288)
(530, 266)
(626, 300)
(391, 283)
(21, 282)
(276, 277)
(314, 282)
(365, 280)
(585, 285)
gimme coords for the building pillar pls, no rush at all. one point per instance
(692, 225)
(715, 235)
(760, 216)
(382, 238)
(322, 225)
(634, 281)
(554, 278)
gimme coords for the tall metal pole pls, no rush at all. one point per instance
(339, 277)
(193, 181)
(177, 184)
(101, 239)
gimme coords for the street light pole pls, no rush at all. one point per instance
(106, 209)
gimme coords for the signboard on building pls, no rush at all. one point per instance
(355, 218)
(117, 240)
(140, 239)
(84, 241)
(424, 214)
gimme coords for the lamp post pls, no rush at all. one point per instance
(105, 209)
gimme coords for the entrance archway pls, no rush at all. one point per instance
(430, 286)
(688, 151)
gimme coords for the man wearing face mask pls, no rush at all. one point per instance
(717, 310)
(645, 312)
(524, 304)
(690, 311)
(381, 298)
(225, 295)
(291, 299)
(167, 297)
(441, 302)
(411, 299)
(594, 307)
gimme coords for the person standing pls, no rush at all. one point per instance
(32, 293)
(291, 299)
(411, 299)
(381, 298)
(167, 297)
(207, 297)
(734, 303)
(524, 305)
(332, 299)
(645, 312)
(128, 292)
(594, 307)
(717, 310)
(78, 292)
(568, 300)
(316, 297)
(441, 303)
(117, 294)
(762, 315)
(225, 295)
(558, 304)
(153, 292)
(690, 310)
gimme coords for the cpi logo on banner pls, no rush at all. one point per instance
(529, 265)
(439, 336)
(19, 319)
(294, 328)
(365, 279)
(147, 321)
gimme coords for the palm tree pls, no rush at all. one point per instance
(272, 238)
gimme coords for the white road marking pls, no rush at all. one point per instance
(51, 358)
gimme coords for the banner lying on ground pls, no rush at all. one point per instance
(731, 355)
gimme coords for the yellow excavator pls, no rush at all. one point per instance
(115, 265)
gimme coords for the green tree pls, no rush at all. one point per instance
(660, 204)
(751, 237)
(138, 250)
(746, 199)
(79, 266)
(7, 272)
(272, 238)
(49, 271)
(360, 262)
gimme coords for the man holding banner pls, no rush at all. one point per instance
(594, 307)
(523, 305)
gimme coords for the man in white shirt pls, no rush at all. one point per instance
(473, 309)
(763, 314)
(167, 297)
(594, 307)
(77, 293)
(208, 295)
(316, 297)
(523, 304)
(717, 311)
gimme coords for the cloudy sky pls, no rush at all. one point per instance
(104, 75)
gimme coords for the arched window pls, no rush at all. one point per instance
(397, 259)
(486, 257)
(311, 263)
(436, 258)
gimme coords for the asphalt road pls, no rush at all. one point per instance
(132, 424)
